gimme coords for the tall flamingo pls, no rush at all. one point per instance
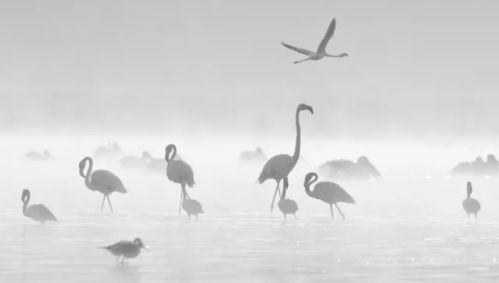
(471, 205)
(37, 212)
(287, 206)
(321, 50)
(328, 192)
(178, 172)
(101, 180)
(279, 166)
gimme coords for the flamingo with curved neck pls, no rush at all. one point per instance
(279, 166)
(102, 181)
(178, 172)
(37, 212)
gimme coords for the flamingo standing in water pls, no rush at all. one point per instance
(37, 212)
(279, 166)
(101, 180)
(471, 205)
(178, 172)
(321, 50)
(287, 206)
(328, 192)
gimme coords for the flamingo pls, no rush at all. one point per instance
(37, 212)
(287, 206)
(321, 50)
(126, 249)
(328, 192)
(36, 156)
(279, 166)
(471, 205)
(101, 180)
(178, 172)
(192, 207)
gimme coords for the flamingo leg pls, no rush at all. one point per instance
(277, 190)
(181, 199)
(102, 204)
(109, 202)
(339, 210)
(331, 208)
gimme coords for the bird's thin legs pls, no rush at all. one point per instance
(109, 202)
(339, 210)
(181, 199)
(277, 190)
(331, 208)
(102, 204)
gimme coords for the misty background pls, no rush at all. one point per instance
(416, 69)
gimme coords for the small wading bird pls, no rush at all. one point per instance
(279, 166)
(192, 207)
(471, 205)
(126, 249)
(101, 180)
(321, 50)
(37, 212)
(36, 156)
(328, 192)
(178, 172)
(287, 206)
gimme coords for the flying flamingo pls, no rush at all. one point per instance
(328, 192)
(37, 212)
(471, 205)
(321, 50)
(279, 166)
(101, 180)
(178, 172)
(287, 206)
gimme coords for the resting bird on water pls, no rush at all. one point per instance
(101, 180)
(471, 205)
(37, 212)
(321, 50)
(279, 166)
(287, 206)
(328, 192)
(126, 249)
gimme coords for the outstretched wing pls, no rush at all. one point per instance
(297, 49)
(327, 37)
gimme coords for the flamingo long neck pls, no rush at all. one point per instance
(25, 203)
(296, 154)
(89, 173)
(308, 184)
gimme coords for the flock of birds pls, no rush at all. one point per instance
(276, 168)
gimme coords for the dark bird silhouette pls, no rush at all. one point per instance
(279, 166)
(321, 50)
(37, 212)
(287, 206)
(328, 192)
(192, 207)
(101, 180)
(126, 249)
(470, 205)
(36, 156)
(178, 172)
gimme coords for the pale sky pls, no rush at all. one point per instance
(416, 68)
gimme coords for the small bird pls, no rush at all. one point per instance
(37, 212)
(321, 50)
(471, 205)
(192, 207)
(287, 206)
(101, 180)
(328, 192)
(126, 249)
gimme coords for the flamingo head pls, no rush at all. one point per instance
(303, 107)
(25, 195)
(168, 152)
(82, 165)
(468, 188)
(310, 178)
